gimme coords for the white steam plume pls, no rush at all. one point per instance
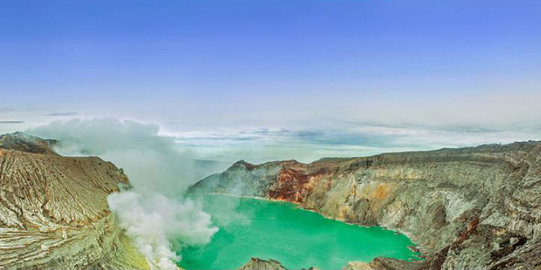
(153, 221)
(154, 213)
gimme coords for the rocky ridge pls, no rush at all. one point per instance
(466, 208)
(54, 212)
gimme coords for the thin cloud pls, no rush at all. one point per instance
(349, 141)
(62, 114)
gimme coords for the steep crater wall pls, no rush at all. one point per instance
(466, 208)
(54, 212)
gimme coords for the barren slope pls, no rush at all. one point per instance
(54, 212)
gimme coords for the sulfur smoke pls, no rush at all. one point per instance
(155, 212)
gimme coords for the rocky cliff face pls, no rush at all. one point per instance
(466, 208)
(54, 212)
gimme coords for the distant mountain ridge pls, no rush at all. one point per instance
(26, 143)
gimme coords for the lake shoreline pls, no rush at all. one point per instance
(289, 228)
(414, 248)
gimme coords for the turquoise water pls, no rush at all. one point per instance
(282, 231)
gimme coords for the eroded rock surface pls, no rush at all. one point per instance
(259, 264)
(54, 212)
(466, 208)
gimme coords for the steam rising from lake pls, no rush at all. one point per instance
(154, 212)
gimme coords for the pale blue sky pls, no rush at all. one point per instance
(343, 73)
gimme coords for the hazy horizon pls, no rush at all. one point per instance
(270, 80)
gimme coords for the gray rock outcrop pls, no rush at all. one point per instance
(259, 264)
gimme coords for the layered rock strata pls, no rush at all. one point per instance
(54, 212)
(465, 208)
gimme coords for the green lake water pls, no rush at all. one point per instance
(295, 237)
